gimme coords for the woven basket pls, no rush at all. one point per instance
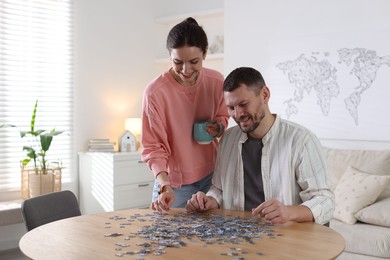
(35, 183)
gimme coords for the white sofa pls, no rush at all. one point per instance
(361, 182)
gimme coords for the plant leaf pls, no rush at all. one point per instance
(25, 162)
(53, 132)
(28, 148)
(46, 141)
(7, 125)
(30, 152)
(32, 125)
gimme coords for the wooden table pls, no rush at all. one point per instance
(85, 237)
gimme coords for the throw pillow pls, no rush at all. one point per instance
(379, 166)
(355, 191)
(376, 214)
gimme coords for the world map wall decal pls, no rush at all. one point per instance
(316, 72)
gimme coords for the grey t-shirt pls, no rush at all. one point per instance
(253, 182)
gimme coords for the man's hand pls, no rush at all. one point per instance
(164, 200)
(201, 202)
(274, 211)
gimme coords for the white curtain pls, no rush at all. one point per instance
(36, 63)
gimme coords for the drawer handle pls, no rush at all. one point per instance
(143, 185)
(140, 161)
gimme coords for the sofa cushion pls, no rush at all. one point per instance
(352, 256)
(363, 238)
(380, 166)
(355, 191)
(377, 214)
(375, 162)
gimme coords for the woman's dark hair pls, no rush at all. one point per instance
(188, 32)
(244, 75)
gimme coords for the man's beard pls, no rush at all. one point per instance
(254, 126)
(251, 129)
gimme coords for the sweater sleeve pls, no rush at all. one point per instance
(155, 144)
(222, 115)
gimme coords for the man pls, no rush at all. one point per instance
(265, 164)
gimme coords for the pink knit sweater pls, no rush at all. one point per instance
(169, 111)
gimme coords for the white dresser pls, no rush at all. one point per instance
(113, 181)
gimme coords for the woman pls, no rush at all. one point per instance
(172, 103)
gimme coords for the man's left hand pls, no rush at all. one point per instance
(273, 210)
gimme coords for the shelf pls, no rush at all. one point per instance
(214, 56)
(202, 14)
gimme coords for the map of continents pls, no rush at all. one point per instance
(309, 73)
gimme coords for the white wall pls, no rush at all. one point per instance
(116, 43)
(115, 46)
(178, 7)
(252, 28)
(114, 54)
(261, 33)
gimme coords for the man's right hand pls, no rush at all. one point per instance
(201, 202)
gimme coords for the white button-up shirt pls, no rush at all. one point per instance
(293, 169)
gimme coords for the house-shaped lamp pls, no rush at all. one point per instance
(127, 142)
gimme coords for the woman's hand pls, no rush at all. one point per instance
(215, 129)
(166, 195)
(164, 200)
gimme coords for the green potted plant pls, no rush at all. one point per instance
(39, 176)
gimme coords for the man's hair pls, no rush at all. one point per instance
(244, 75)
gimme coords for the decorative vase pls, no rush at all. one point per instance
(36, 182)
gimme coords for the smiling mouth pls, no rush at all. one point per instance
(187, 76)
(243, 119)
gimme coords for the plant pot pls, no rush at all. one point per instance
(35, 182)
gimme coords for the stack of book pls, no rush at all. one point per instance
(101, 145)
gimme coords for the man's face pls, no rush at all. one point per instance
(245, 107)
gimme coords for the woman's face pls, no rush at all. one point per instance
(186, 64)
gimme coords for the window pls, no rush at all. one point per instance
(35, 64)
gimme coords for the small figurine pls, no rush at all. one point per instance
(127, 142)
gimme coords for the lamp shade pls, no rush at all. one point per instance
(134, 125)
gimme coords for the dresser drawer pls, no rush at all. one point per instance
(133, 195)
(111, 181)
(127, 173)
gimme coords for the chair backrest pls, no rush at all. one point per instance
(49, 207)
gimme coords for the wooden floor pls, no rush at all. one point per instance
(12, 254)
